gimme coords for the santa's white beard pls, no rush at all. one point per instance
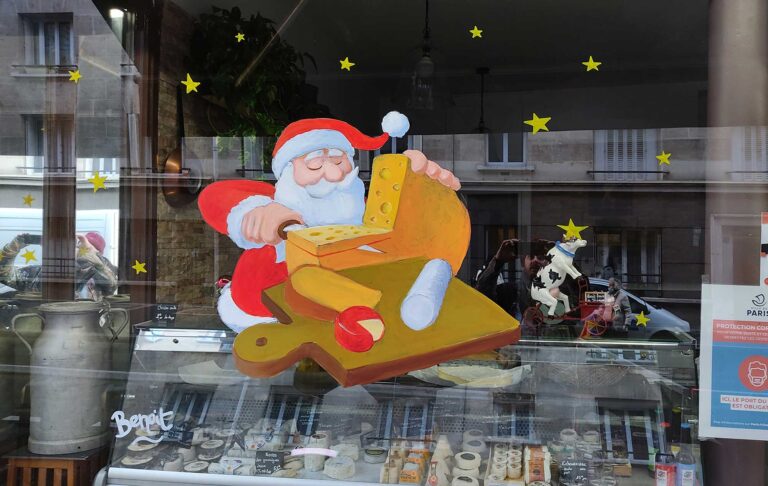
(340, 203)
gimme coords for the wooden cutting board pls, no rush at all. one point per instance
(468, 323)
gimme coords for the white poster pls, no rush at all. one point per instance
(734, 362)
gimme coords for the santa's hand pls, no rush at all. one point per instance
(260, 225)
(421, 165)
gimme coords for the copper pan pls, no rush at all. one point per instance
(180, 184)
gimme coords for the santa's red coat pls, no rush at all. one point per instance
(257, 268)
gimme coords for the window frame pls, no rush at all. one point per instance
(605, 172)
(34, 33)
(506, 163)
(645, 278)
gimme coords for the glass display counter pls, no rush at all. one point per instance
(594, 412)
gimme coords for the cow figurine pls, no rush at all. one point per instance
(545, 287)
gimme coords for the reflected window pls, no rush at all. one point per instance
(626, 155)
(632, 256)
(48, 40)
(505, 148)
(750, 154)
(34, 135)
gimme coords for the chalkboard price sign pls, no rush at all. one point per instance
(573, 471)
(267, 462)
(165, 313)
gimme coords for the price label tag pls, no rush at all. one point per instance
(165, 313)
(267, 462)
(573, 471)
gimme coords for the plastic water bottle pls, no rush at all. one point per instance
(686, 462)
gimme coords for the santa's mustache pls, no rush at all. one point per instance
(324, 187)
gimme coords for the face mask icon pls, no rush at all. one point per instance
(758, 373)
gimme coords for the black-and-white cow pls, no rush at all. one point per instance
(545, 287)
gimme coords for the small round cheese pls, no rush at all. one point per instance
(196, 466)
(568, 435)
(374, 455)
(465, 481)
(473, 434)
(467, 460)
(339, 467)
(474, 472)
(474, 445)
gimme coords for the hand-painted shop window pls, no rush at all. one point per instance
(632, 256)
(48, 40)
(627, 155)
(750, 154)
(506, 149)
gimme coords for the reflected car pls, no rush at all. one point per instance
(663, 325)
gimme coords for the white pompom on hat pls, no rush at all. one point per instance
(304, 136)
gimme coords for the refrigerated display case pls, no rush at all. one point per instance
(593, 412)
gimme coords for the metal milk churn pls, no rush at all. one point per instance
(70, 372)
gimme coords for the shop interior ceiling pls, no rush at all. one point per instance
(531, 39)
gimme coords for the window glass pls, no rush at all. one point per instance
(575, 197)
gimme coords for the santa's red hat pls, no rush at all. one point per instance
(304, 136)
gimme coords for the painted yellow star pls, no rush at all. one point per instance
(538, 123)
(97, 181)
(75, 75)
(346, 63)
(28, 200)
(190, 84)
(240, 37)
(663, 158)
(475, 32)
(592, 65)
(642, 319)
(139, 267)
(82, 251)
(29, 256)
(571, 230)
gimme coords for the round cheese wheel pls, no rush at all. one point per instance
(196, 466)
(374, 455)
(465, 481)
(212, 444)
(141, 446)
(568, 435)
(320, 439)
(467, 460)
(339, 467)
(135, 461)
(472, 434)
(474, 445)
(474, 472)
(499, 467)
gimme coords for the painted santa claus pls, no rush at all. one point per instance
(317, 184)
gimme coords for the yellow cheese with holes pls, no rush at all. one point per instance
(323, 240)
(407, 215)
(332, 290)
(387, 181)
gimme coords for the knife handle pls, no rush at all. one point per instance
(281, 229)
